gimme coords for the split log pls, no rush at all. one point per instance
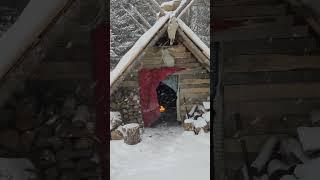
(188, 125)
(131, 133)
(116, 135)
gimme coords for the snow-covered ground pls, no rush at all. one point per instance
(164, 153)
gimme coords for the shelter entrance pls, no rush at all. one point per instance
(158, 88)
(167, 98)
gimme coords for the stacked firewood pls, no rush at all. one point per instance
(55, 132)
(127, 102)
(288, 158)
(198, 119)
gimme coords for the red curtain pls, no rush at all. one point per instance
(149, 80)
(100, 45)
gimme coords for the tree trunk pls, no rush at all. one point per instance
(131, 134)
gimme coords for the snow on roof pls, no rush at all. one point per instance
(194, 38)
(183, 2)
(32, 21)
(142, 42)
(185, 9)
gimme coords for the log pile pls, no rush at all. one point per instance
(54, 131)
(287, 157)
(130, 133)
(198, 119)
(127, 102)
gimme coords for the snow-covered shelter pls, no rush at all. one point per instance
(183, 65)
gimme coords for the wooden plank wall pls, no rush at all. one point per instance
(271, 74)
(271, 88)
(194, 82)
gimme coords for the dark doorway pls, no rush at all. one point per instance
(167, 98)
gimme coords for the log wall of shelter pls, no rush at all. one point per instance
(270, 75)
(272, 91)
(193, 82)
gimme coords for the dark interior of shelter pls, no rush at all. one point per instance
(167, 98)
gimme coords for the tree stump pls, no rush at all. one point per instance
(131, 133)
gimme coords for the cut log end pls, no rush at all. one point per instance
(131, 133)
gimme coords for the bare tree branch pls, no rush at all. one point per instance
(134, 19)
(140, 16)
(154, 2)
(151, 8)
(181, 8)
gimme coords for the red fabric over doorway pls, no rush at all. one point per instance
(149, 80)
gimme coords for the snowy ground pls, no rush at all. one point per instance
(164, 153)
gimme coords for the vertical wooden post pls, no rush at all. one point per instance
(218, 124)
(101, 63)
(178, 101)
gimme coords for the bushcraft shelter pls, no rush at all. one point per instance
(135, 79)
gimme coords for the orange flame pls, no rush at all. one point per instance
(162, 109)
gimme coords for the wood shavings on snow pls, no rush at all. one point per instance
(141, 43)
(164, 153)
